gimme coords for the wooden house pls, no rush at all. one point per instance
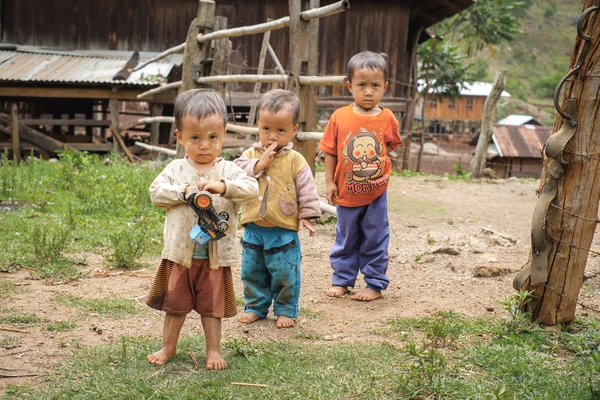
(459, 115)
(114, 29)
(517, 150)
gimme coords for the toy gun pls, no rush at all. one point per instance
(211, 225)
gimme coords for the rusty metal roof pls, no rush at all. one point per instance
(61, 68)
(524, 141)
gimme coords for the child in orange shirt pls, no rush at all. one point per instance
(357, 173)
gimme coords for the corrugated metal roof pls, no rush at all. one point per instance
(469, 89)
(521, 141)
(517, 119)
(60, 68)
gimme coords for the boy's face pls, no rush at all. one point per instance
(202, 139)
(367, 87)
(276, 127)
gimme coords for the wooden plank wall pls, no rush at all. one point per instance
(460, 112)
(154, 25)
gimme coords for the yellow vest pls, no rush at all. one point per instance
(277, 202)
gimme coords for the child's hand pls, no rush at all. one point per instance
(304, 223)
(267, 159)
(216, 187)
(331, 192)
(189, 190)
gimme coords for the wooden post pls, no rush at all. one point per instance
(194, 51)
(16, 148)
(487, 121)
(221, 55)
(304, 61)
(571, 218)
(261, 69)
(113, 104)
(155, 111)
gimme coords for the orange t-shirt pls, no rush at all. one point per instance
(363, 168)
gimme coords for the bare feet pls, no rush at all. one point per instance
(215, 361)
(160, 357)
(284, 322)
(336, 291)
(367, 295)
(248, 318)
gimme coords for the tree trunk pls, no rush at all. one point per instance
(487, 121)
(571, 196)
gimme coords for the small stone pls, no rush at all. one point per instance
(245, 329)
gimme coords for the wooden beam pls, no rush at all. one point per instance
(309, 136)
(157, 149)
(245, 30)
(320, 12)
(336, 80)
(114, 127)
(31, 135)
(93, 147)
(221, 53)
(67, 122)
(80, 93)
(278, 66)
(26, 148)
(173, 50)
(160, 89)
(156, 111)
(249, 78)
(15, 133)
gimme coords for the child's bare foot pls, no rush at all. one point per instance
(160, 357)
(215, 361)
(284, 322)
(248, 318)
(336, 291)
(367, 294)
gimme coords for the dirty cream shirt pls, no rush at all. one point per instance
(167, 192)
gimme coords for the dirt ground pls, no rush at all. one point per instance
(442, 232)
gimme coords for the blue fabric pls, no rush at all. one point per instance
(362, 237)
(271, 270)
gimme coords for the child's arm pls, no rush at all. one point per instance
(254, 167)
(164, 193)
(331, 189)
(308, 199)
(239, 187)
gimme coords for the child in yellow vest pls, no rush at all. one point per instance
(287, 200)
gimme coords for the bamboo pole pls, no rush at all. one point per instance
(173, 50)
(309, 136)
(336, 80)
(246, 30)
(242, 78)
(16, 148)
(243, 130)
(325, 11)
(147, 120)
(257, 85)
(157, 149)
(160, 89)
(278, 66)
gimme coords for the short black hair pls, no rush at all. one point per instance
(367, 59)
(199, 104)
(274, 100)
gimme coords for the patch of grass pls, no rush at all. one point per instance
(129, 244)
(23, 319)
(486, 369)
(58, 270)
(60, 326)
(105, 306)
(9, 342)
(308, 313)
(7, 288)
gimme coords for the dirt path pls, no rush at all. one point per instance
(426, 214)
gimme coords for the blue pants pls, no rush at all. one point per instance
(362, 236)
(271, 270)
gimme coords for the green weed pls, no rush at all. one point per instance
(60, 326)
(24, 319)
(107, 306)
(129, 244)
(7, 288)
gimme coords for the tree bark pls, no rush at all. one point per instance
(570, 222)
(487, 121)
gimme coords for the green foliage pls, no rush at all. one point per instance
(550, 10)
(518, 319)
(545, 86)
(7, 289)
(129, 244)
(23, 319)
(61, 326)
(81, 203)
(443, 69)
(103, 306)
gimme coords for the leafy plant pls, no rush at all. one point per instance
(129, 244)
